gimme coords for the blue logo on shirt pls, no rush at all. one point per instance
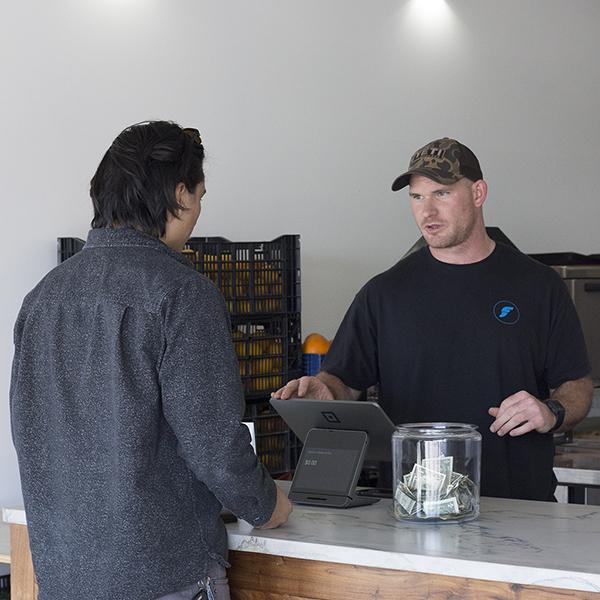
(506, 312)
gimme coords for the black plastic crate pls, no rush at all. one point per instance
(4, 587)
(254, 277)
(276, 446)
(67, 247)
(269, 350)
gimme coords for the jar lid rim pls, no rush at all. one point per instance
(438, 426)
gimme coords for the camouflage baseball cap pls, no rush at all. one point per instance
(445, 161)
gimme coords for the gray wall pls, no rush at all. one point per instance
(308, 110)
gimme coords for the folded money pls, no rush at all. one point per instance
(432, 489)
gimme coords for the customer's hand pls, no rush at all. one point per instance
(310, 387)
(521, 413)
(283, 508)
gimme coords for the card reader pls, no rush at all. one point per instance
(329, 467)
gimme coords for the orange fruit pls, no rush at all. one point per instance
(315, 343)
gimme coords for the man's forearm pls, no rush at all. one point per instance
(576, 397)
(337, 387)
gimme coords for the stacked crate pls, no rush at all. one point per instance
(4, 587)
(260, 282)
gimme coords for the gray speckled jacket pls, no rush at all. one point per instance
(125, 405)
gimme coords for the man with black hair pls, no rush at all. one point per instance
(126, 400)
(465, 330)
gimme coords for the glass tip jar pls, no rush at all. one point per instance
(436, 470)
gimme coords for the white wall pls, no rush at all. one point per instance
(308, 109)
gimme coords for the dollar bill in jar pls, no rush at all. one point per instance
(432, 489)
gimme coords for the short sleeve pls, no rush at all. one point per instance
(353, 353)
(566, 356)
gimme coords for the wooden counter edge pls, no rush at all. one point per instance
(4, 543)
(22, 577)
(255, 576)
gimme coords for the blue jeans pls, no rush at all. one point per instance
(218, 582)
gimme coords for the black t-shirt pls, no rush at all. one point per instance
(446, 342)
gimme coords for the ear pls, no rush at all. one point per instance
(479, 192)
(181, 194)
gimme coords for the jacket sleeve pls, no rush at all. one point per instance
(16, 364)
(203, 401)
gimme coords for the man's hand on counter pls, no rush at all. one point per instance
(310, 387)
(283, 508)
(521, 413)
(324, 386)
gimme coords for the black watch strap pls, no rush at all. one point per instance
(558, 410)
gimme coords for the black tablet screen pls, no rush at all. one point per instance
(331, 468)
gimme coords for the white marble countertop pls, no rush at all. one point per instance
(516, 541)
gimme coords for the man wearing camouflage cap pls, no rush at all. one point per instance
(465, 330)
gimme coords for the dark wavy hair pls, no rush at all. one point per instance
(134, 185)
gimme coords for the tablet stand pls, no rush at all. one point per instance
(327, 451)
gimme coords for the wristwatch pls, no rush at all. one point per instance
(558, 410)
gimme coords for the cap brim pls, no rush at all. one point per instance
(403, 180)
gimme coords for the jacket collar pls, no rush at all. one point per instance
(127, 237)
